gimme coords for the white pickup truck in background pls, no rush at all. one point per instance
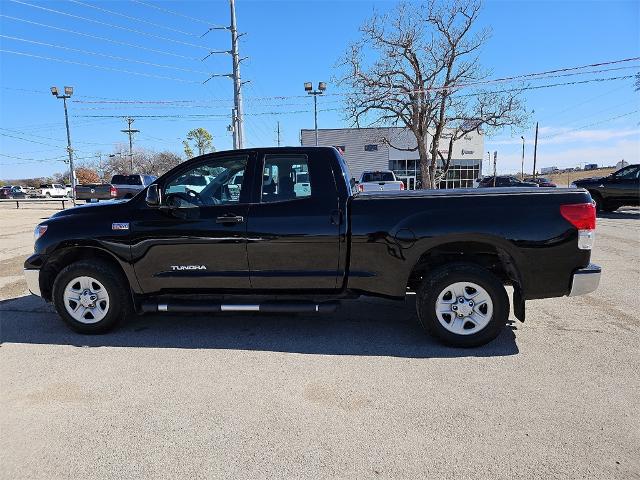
(379, 181)
(51, 190)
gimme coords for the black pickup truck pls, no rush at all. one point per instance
(612, 192)
(254, 239)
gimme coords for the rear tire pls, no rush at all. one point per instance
(91, 296)
(446, 308)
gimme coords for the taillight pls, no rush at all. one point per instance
(361, 188)
(113, 191)
(583, 217)
(401, 185)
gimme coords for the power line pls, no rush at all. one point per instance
(110, 25)
(178, 14)
(62, 60)
(134, 18)
(591, 124)
(29, 140)
(114, 57)
(32, 159)
(537, 87)
(96, 37)
(20, 132)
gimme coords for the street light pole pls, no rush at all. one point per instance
(322, 86)
(68, 91)
(522, 173)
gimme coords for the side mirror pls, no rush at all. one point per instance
(153, 196)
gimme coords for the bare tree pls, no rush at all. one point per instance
(145, 162)
(424, 76)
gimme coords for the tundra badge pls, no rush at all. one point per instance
(119, 226)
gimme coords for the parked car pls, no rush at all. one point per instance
(504, 181)
(51, 190)
(5, 192)
(18, 191)
(69, 189)
(274, 250)
(379, 181)
(121, 186)
(612, 192)
(541, 181)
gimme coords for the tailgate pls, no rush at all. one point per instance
(381, 186)
(88, 192)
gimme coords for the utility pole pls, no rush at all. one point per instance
(495, 160)
(522, 170)
(237, 84)
(535, 152)
(278, 132)
(232, 128)
(237, 124)
(129, 121)
(68, 91)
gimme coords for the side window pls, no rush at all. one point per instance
(628, 173)
(216, 182)
(285, 177)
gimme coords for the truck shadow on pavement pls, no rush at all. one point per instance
(628, 213)
(365, 327)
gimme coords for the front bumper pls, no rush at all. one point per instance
(585, 280)
(33, 281)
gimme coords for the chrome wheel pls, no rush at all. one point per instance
(86, 300)
(464, 308)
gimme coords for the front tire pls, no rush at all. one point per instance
(462, 305)
(91, 296)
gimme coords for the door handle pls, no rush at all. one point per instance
(230, 219)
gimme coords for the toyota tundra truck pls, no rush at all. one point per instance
(267, 245)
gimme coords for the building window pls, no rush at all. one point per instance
(371, 148)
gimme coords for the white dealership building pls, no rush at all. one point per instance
(365, 149)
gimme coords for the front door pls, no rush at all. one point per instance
(293, 231)
(623, 186)
(196, 240)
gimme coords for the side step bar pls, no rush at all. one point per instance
(177, 306)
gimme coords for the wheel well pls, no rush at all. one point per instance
(67, 256)
(594, 194)
(494, 259)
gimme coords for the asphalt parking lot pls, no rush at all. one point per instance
(362, 393)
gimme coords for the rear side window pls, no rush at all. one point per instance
(377, 177)
(285, 177)
(126, 180)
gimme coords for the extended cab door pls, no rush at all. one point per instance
(196, 239)
(293, 230)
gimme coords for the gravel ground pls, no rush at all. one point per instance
(359, 394)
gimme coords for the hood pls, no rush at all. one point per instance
(91, 208)
(588, 180)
